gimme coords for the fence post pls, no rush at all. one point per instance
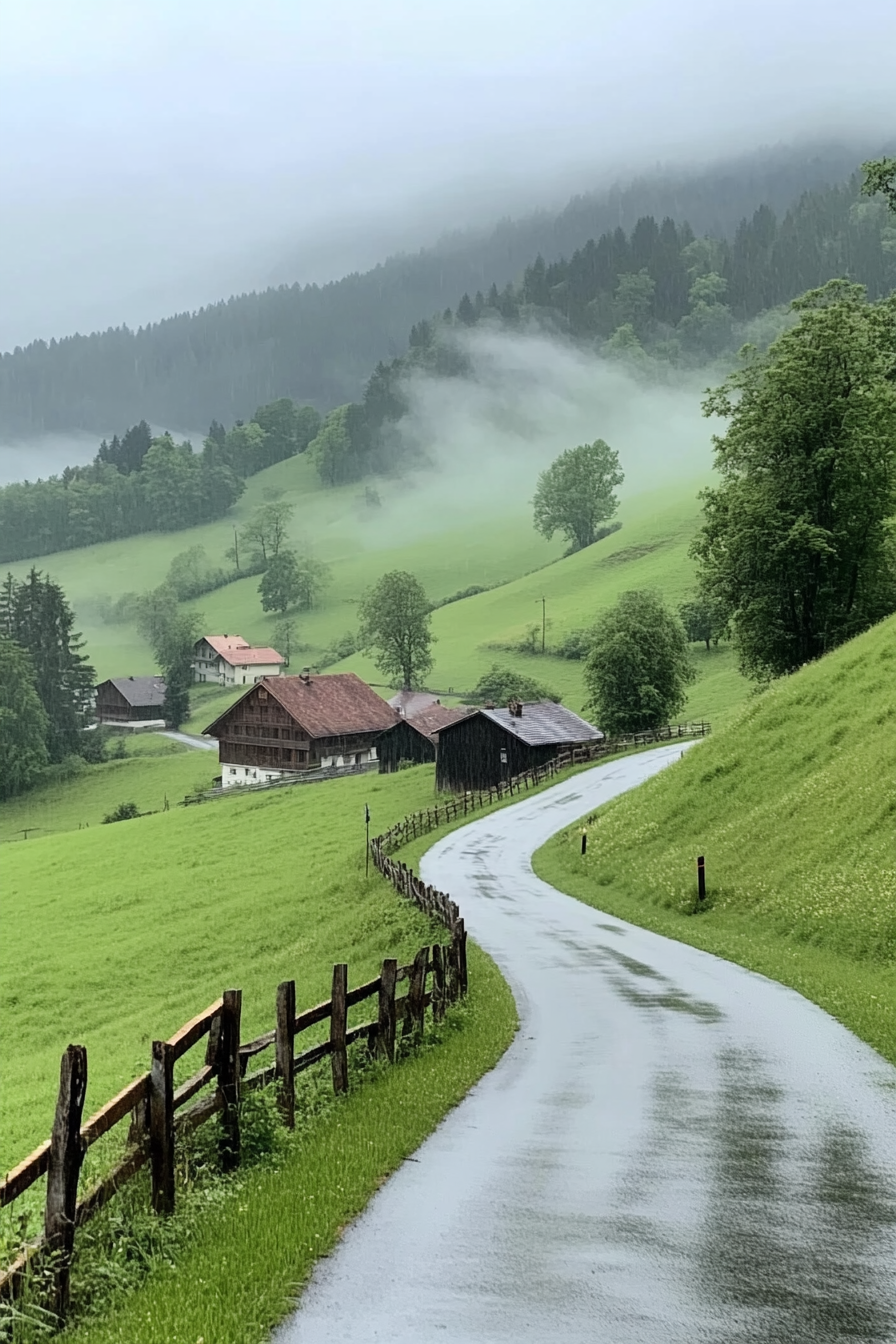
(385, 1035)
(229, 1079)
(338, 1018)
(284, 1048)
(66, 1156)
(438, 983)
(460, 939)
(161, 1127)
(452, 970)
(413, 1020)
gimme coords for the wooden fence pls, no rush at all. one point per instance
(159, 1113)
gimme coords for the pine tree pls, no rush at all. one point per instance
(42, 623)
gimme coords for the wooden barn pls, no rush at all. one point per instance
(490, 745)
(412, 741)
(130, 700)
(287, 724)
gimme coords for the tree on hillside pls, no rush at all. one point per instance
(281, 582)
(128, 452)
(502, 684)
(703, 622)
(880, 176)
(575, 494)
(23, 721)
(395, 620)
(795, 547)
(265, 532)
(36, 614)
(639, 669)
(172, 633)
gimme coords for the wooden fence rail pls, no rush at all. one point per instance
(161, 1114)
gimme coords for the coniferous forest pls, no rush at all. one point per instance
(318, 343)
(657, 297)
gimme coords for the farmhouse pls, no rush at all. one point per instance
(490, 745)
(412, 741)
(130, 700)
(229, 660)
(283, 725)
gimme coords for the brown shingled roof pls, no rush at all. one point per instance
(429, 721)
(331, 705)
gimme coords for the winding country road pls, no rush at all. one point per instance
(673, 1151)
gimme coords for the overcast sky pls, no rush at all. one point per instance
(157, 154)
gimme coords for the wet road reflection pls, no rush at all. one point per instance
(673, 1151)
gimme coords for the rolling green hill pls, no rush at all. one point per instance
(793, 806)
(451, 538)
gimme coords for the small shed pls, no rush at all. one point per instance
(412, 741)
(490, 745)
(130, 700)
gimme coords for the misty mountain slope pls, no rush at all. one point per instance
(650, 551)
(320, 343)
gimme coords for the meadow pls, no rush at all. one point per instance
(451, 539)
(792, 806)
(116, 935)
(155, 771)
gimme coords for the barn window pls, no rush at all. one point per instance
(262, 695)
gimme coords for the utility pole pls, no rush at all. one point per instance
(236, 549)
(543, 621)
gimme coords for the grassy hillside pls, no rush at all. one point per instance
(451, 537)
(793, 807)
(74, 802)
(117, 934)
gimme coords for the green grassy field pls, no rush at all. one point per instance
(450, 540)
(118, 934)
(793, 807)
(159, 768)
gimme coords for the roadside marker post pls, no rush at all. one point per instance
(701, 879)
(584, 840)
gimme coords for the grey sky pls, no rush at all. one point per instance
(159, 155)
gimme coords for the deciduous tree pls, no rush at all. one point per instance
(281, 583)
(795, 547)
(395, 624)
(639, 669)
(575, 494)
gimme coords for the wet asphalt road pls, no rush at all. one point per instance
(672, 1150)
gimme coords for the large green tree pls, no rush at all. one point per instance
(796, 548)
(281, 583)
(395, 621)
(639, 668)
(575, 495)
(23, 721)
(36, 614)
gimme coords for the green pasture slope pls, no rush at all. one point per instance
(451, 540)
(155, 769)
(793, 807)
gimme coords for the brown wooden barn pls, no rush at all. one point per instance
(130, 700)
(287, 724)
(412, 741)
(490, 745)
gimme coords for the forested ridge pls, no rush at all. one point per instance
(317, 344)
(657, 298)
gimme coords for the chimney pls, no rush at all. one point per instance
(515, 708)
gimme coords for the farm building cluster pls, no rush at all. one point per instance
(284, 725)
